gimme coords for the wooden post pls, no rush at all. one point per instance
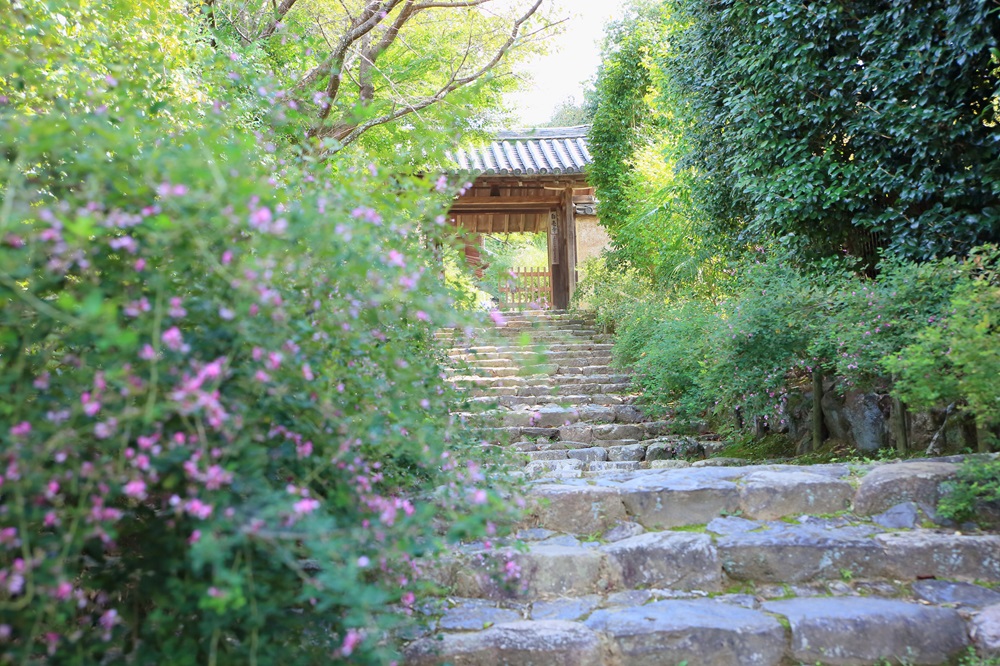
(897, 422)
(560, 265)
(817, 420)
(570, 213)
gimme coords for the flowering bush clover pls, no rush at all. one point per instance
(225, 418)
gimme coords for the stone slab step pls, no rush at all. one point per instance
(670, 498)
(581, 345)
(708, 563)
(550, 389)
(538, 380)
(849, 631)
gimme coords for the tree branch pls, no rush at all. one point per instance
(279, 13)
(454, 83)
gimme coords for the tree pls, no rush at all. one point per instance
(571, 113)
(366, 64)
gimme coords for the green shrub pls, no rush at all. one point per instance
(977, 483)
(225, 432)
(956, 357)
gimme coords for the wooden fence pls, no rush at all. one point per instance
(526, 286)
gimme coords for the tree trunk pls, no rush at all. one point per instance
(817, 410)
(898, 424)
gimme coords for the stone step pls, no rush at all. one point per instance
(500, 370)
(581, 345)
(650, 628)
(566, 400)
(554, 416)
(531, 356)
(671, 498)
(537, 380)
(573, 360)
(551, 388)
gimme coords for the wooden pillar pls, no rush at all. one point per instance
(570, 212)
(563, 260)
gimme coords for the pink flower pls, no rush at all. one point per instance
(135, 489)
(147, 353)
(307, 372)
(479, 497)
(305, 506)
(21, 429)
(363, 561)
(173, 339)
(422, 316)
(498, 318)
(396, 259)
(139, 265)
(176, 308)
(351, 641)
(442, 184)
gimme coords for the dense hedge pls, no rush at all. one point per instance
(829, 121)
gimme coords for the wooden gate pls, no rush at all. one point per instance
(526, 286)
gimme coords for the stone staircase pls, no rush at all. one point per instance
(630, 555)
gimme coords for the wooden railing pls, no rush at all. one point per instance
(526, 286)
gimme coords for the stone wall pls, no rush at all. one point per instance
(591, 238)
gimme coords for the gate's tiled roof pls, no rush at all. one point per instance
(530, 152)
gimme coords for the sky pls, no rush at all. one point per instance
(573, 58)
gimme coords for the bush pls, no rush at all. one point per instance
(225, 434)
(956, 358)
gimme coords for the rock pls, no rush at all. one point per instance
(525, 446)
(619, 466)
(547, 455)
(705, 633)
(592, 454)
(628, 414)
(561, 540)
(561, 445)
(903, 516)
(545, 570)
(565, 609)
(537, 467)
(540, 433)
(834, 417)
(985, 631)
(960, 594)
(732, 525)
(868, 424)
(675, 560)
(617, 431)
(627, 598)
(633, 452)
(849, 631)
(577, 509)
(659, 451)
(577, 432)
(925, 554)
(597, 414)
(770, 495)
(475, 614)
(799, 553)
(534, 534)
(525, 643)
(623, 530)
(719, 462)
(658, 428)
(888, 485)
(682, 497)
(551, 416)
(668, 464)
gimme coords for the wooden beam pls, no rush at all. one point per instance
(496, 202)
